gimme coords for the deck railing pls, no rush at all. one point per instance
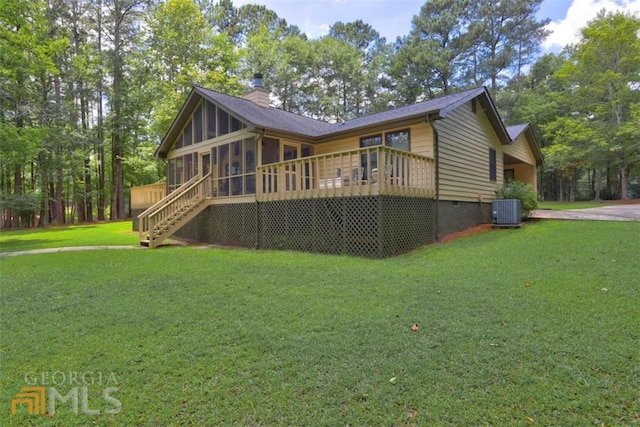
(147, 195)
(167, 211)
(366, 171)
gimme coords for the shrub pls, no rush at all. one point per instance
(521, 191)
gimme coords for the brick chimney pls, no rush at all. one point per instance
(258, 95)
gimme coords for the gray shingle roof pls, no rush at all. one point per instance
(261, 117)
(257, 117)
(515, 130)
(414, 110)
(273, 118)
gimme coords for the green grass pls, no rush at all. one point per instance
(108, 234)
(563, 206)
(516, 328)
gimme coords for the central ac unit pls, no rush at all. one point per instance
(506, 213)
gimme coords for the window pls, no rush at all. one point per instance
(398, 139)
(370, 141)
(493, 166)
(509, 175)
(473, 106)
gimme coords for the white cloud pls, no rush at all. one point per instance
(567, 30)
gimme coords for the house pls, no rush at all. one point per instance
(522, 156)
(242, 173)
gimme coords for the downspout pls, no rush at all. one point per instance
(437, 162)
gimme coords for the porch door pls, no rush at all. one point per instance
(369, 161)
(205, 160)
(290, 152)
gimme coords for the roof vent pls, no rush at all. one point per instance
(258, 95)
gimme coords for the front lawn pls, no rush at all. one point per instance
(535, 326)
(98, 234)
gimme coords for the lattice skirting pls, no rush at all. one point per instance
(368, 226)
(229, 225)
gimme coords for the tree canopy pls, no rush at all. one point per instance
(89, 87)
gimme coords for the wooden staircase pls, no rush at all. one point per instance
(174, 211)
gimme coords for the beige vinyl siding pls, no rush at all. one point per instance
(525, 173)
(464, 139)
(421, 140)
(521, 150)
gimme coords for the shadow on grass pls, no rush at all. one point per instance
(20, 243)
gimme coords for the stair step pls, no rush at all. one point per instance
(162, 228)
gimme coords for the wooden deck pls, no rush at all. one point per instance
(362, 172)
(146, 196)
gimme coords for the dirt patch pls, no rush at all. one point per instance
(468, 232)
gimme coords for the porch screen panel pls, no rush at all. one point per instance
(179, 171)
(197, 125)
(224, 170)
(250, 165)
(180, 141)
(236, 168)
(235, 124)
(270, 154)
(211, 120)
(171, 174)
(195, 164)
(187, 139)
(214, 169)
(188, 167)
(223, 122)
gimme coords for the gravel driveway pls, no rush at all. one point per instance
(605, 213)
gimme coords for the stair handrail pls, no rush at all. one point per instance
(175, 193)
(147, 223)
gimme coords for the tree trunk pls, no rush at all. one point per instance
(624, 193)
(101, 200)
(597, 185)
(16, 220)
(117, 184)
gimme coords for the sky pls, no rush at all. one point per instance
(392, 18)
